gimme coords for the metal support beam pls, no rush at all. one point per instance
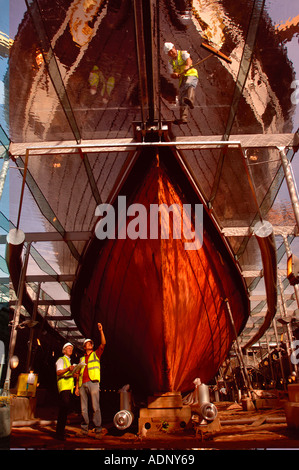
(279, 353)
(258, 298)
(45, 208)
(52, 66)
(28, 364)
(48, 302)
(52, 237)
(244, 67)
(16, 319)
(288, 253)
(126, 144)
(266, 241)
(251, 183)
(287, 168)
(90, 176)
(3, 174)
(59, 318)
(289, 336)
(146, 47)
(50, 278)
(239, 350)
(22, 189)
(245, 63)
(278, 230)
(117, 145)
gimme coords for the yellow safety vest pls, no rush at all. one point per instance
(93, 367)
(65, 381)
(178, 65)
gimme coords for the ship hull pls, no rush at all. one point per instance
(163, 308)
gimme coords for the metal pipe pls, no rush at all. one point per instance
(241, 359)
(287, 168)
(28, 365)
(3, 174)
(269, 355)
(243, 369)
(140, 52)
(2, 364)
(216, 143)
(23, 188)
(208, 410)
(279, 354)
(288, 253)
(16, 318)
(251, 183)
(288, 327)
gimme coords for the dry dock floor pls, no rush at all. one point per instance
(261, 429)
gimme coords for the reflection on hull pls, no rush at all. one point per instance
(103, 36)
(162, 307)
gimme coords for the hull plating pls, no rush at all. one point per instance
(162, 306)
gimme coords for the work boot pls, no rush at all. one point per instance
(100, 433)
(178, 122)
(183, 116)
(189, 99)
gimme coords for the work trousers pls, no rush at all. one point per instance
(188, 81)
(92, 390)
(65, 403)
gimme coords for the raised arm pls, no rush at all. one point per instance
(103, 339)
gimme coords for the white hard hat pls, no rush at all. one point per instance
(168, 46)
(65, 345)
(86, 341)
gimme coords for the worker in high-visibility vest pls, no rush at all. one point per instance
(65, 384)
(180, 67)
(88, 383)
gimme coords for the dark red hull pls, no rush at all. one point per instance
(162, 307)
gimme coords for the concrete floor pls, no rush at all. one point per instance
(239, 430)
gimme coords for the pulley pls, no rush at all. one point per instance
(123, 419)
(208, 411)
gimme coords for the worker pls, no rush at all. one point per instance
(65, 384)
(180, 67)
(88, 383)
